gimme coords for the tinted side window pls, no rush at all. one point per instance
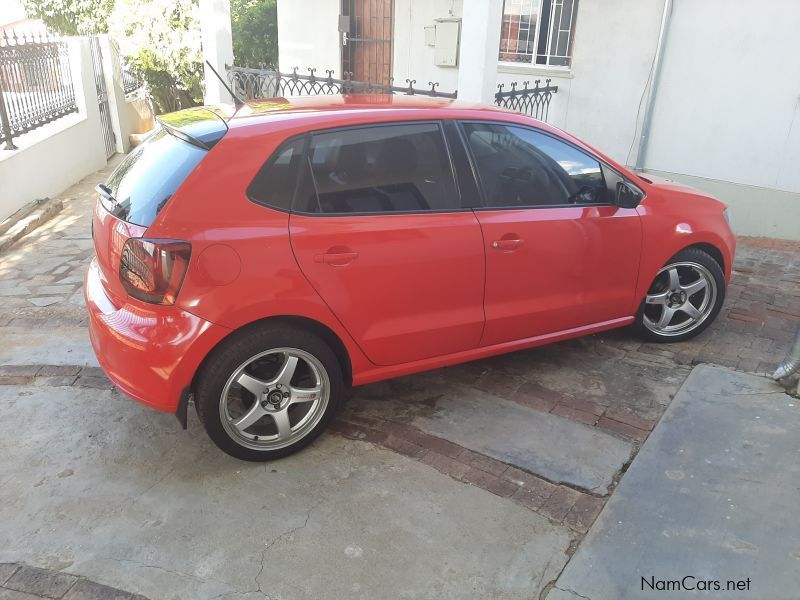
(274, 183)
(523, 167)
(380, 169)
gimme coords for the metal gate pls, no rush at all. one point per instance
(102, 97)
(366, 27)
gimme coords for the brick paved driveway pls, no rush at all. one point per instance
(609, 383)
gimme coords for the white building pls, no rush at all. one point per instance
(701, 91)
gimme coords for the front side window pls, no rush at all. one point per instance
(521, 167)
(379, 169)
(538, 32)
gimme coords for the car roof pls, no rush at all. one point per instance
(366, 107)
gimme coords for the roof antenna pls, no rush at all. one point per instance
(238, 102)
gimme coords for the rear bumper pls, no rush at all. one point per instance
(150, 353)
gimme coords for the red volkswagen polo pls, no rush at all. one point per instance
(262, 260)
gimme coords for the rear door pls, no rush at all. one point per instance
(378, 229)
(559, 253)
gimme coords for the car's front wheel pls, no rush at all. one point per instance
(684, 298)
(268, 392)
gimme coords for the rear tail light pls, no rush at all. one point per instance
(153, 270)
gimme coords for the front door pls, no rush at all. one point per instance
(559, 253)
(367, 40)
(378, 230)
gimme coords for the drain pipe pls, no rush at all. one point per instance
(791, 363)
(651, 97)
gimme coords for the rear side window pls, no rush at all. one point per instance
(145, 181)
(521, 167)
(274, 184)
(379, 169)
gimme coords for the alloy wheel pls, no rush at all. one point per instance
(274, 398)
(681, 298)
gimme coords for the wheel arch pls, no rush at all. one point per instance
(709, 249)
(326, 333)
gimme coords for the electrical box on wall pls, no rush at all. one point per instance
(445, 49)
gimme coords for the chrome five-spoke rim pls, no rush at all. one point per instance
(680, 299)
(274, 398)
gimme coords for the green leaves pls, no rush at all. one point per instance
(161, 38)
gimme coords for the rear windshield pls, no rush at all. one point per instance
(143, 183)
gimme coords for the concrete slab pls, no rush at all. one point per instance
(64, 346)
(712, 495)
(94, 484)
(558, 449)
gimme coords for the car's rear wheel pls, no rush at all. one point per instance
(268, 392)
(684, 298)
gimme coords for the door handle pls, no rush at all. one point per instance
(336, 259)
(507, 244)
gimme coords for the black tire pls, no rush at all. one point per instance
(229, 356)
(705, 266)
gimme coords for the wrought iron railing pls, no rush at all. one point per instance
(268, 83)
(533, 101)
(130, 82)
(35, 83)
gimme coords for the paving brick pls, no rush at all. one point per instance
(57, 370)
(87, 590)
(498, 383)
(529, 398)
(55, 381)
(92, 371)
(15, 380)
(559, 503)
(420, 438)
(583, 513)
(622, 428)
(575, 415)
(88, 381)
(358, 432)
(404, 447)
(19, 370)
(484, 463)
(623, 416)
(6, 594)
(31, 580)
(445, 464)
(535, 493)
(583, 405)
(6, 571)
(491, 483)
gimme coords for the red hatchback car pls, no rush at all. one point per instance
(261, 260)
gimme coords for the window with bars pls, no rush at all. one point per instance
(538, 32)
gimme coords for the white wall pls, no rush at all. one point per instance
(308, 36)
(412, 59)
(56, 156)
(728, 102)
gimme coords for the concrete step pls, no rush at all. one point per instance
(555, 448)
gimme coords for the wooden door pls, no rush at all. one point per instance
(367, 46)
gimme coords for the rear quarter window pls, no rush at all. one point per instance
(145, 181)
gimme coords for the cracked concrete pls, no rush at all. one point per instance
(97, 485)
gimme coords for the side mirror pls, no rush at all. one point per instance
(627, 195)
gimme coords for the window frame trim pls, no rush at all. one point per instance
(533, 64)
(482, 192)
(440, 126)
(271, 161)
